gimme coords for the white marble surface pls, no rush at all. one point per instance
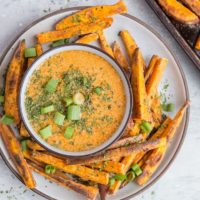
(182, 180)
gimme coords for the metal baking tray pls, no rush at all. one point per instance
(185, 35)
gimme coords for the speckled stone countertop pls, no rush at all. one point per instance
(182, 180)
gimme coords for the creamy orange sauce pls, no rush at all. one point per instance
(101, 113)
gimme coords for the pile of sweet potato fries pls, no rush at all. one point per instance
(135, 156)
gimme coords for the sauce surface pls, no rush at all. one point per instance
(76, 72)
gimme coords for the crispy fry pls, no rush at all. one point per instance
(194, 5)
(74, 31)
(129, 43)
(13, 78)
(14, 149)
(63, 180)
(39, 49)
(30, 61)
(151, 66)
(104, 44)
(108, 166)
(154, 80)
(178, 11)
(154, 159)
(141, 105)
(91, 15)
(81, 171)
(86, 39)
(120, 57)
(197, 44)
(121, 151)
(126, 141)
(135, 158)
(34, 146)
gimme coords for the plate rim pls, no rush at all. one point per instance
(148, 27)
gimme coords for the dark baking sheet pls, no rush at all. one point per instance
(185, 35)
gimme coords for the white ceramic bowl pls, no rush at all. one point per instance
(127, 89)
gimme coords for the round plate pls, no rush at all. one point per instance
(150, 43)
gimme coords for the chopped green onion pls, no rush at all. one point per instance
(47, 109)
(68, 101)
(1, 99)
(168, 107)
(74, 112)
(7, 120)
(111, 181)
(59, 118)
(146, 127)
(50, 169)
(30, 52)
(46, 132)
(51, 85)
(69, 132)
(120, 177)
(98, 90)
(24, 145)
(130, 176)
(60, 42)
(136, 168)
(78, 98)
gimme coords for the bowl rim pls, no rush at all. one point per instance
(128, 108)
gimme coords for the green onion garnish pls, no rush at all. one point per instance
(111, 181)
(98, 90)
(30, 52)
(46, 132)
(24, 145)
(69, 132)
(60, 42)
(78, 98)
(68, 101)
(47, 109)
(146, 127)
(1, 99)
(7, 120)
(50, 169)
(130, 176)
(136, 168)
(59, 118)
(74, 112)
(120, 177)
(168, 107)
(51, 85)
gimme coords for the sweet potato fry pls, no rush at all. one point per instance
(74, 31)
(197, 44)
(91, 15)
(86, 39)
(63, 180)
(154, 159)
(104, 44)
(81, 171)
(141, 105)
(14, 149)
(120, 57)
(34, 146)
(151, 66)
(13, 78)
(121, 151)
(135, 158)
(22, 130)
(178, 11)
(108, 166)
(30, 61)
(129, 43)
(154, 80)
(194, 5)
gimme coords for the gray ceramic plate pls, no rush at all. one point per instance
(150, 43)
